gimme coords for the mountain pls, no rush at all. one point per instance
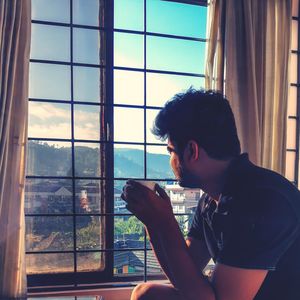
(49, 160)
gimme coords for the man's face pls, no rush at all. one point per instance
(184, 177)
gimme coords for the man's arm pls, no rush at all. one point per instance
(197, 250)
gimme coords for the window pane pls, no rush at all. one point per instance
(86, 12)
(128, 87)
(87, 84)
(88, 262)
(175, 55)
(54, 10)
(86, 46)
(290, 165)
(119, 203)
(294, 35)
(291, 134)
(87, 159)
(88, 232)
(293, 68)
(48, 159)
(50, 42)
(151, 115)
(129, 14)
(88, 196)
(292, 101)
(87, 122)
(47, 81)
(49, 263)
(46, 196)
(128, 50)
(128, 124)
(128, 161)
(49, 120)
(176, 18)
(49, 233)
(158, 165)
(129, 233)
(162, 87)
(128, 263)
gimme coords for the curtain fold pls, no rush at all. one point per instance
(15, 29)
(253, 40)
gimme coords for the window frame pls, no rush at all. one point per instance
(82, 280)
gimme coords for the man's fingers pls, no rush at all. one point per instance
(162, 193)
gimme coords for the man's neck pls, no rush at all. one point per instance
(215, 185)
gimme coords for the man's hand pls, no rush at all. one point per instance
(153, 208)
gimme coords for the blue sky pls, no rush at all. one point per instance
(164, 54)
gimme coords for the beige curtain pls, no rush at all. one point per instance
(249, 47)
(15, 25)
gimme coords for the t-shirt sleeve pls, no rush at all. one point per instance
(196, 229)
(260, 233)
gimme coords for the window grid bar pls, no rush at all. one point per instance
(72, 142)
(95, 141)
(93, 103)
(145, 130)
(66, 63)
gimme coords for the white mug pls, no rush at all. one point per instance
(149, 184)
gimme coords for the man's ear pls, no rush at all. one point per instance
(192, 150)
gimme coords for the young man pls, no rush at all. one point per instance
(248, 220)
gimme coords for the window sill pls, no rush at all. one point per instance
(110, 291)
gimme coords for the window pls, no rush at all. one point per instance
(293, 111)
(99, 72)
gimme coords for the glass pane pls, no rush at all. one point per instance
(294, 35)
(87, 262)
(293, 68)
(88, 196)
(87, 83)
(49, 263)
(295, 8)
(129, 14)
(128, 124)
(153, 266)
(291, 134)
(128, 87)
(161, 55)
(49, 233)
(128, 233)
(158, 165)
(49, 159)
(48, 81)
(151, 115)
(50, 42)
(184, 221)
(49, 120)
(290, 165)
(292, 101)
(87, 122)
(119, 203)
(86, 46)
(86, 12)
(54, 10)
(46, 196)
(176, 18)
(87, 159)
(88, 232)
(162, 87)
(128, 161)
(128, 263)
(128, 50)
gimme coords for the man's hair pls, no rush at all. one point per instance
(203, 116)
